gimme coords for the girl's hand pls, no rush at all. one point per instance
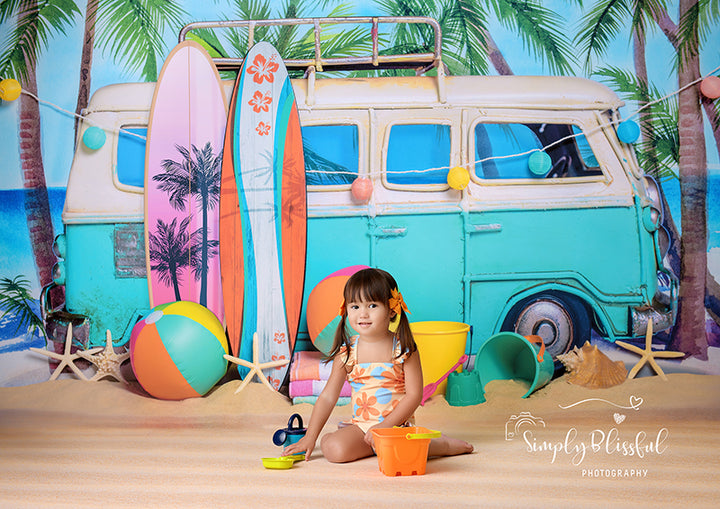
(370, 438)
(305, 444)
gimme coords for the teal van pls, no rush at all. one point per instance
(553, 250)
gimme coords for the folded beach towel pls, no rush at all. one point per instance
(313, 399)
(314, 388)
(309, 366)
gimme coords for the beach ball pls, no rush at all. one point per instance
(458, 178)
(539, 163)
(177, 350)
(628, 131)
(9, 89)
(94, 138)
(323, 307)
(362, 189)
(710, 87)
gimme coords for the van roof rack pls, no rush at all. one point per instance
(422, 62)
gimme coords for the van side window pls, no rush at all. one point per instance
(331, 154)
(131, 157)
(418, 147)
(502, 151)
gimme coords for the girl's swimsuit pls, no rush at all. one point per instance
(377, 387)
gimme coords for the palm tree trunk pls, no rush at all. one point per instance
(37, 204)
(669, 28)
(495, 55)
(204, 254)
(646, 117)
(86, 60)
(689, 334)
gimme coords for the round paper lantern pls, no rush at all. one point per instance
(323, 307)
(177, 350)
(458, 178)
(710, 87)
(362, 189)
(539, 163)
(628, 131)
(94, 138)
(9, 89)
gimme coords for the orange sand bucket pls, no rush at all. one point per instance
(403, 451)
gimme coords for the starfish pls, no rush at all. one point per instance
(648, 355)
(66, 358)
(107, 362)
(255, 366)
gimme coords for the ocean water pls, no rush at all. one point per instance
(15, 250)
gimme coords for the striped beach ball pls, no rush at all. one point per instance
(323, 307)
(177, 350)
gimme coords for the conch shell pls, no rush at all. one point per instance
(589, 367)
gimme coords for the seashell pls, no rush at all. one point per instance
(589, 367)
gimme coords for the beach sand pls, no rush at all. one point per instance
(644, 443)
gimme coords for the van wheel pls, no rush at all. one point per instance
(559, 319)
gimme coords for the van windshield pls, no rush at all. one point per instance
(502, 151)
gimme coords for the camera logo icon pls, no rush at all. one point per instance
(517, 423)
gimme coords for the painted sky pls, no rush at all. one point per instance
(59, 64)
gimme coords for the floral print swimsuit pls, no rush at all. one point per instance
(377, 387)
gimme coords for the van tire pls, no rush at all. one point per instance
(560, 319)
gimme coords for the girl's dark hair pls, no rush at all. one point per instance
(371, 285)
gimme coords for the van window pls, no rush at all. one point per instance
(502, 151)
(131, 157)
(331, 154)
(413, 147)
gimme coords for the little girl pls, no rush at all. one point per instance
(383, 369)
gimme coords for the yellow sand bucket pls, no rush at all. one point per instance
(440, 345)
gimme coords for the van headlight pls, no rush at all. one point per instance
(59, 246)
(58, 273)
(654, 194)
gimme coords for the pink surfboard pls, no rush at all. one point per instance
(182, 181)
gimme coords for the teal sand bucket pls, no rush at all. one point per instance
(510, 356)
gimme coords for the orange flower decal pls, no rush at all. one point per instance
(366, 406)
(262, 69)
(279, 338)
(260, 102)
(263, 129)
(278, 358)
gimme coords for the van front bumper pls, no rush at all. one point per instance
(663, 310)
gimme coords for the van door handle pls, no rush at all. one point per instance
(390, 231)
(484, 228)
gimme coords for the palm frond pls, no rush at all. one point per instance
(15, 300)
(132, 31)
(600, 26)
(34, 27)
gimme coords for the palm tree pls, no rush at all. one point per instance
(132, 30)
(698, 288)
(197, 177)
(34, 26)
(468, 44)
(170, 252)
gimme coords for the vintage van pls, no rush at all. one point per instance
(552, 251)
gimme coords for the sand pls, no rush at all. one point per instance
(70, 443)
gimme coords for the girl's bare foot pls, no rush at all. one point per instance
(446, 446)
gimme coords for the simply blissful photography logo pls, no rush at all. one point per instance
(579, 445)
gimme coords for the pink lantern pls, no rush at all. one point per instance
(710, 87)
(362, 189)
